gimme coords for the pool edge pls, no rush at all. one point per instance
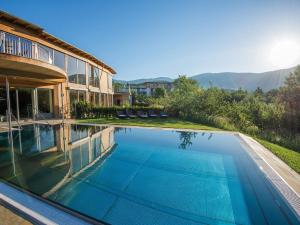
(277, 172)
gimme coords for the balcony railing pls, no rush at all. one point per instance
(14, 45)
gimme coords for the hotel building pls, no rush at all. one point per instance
(42, 76)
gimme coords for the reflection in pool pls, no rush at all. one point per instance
(143, 176)
(41, 156)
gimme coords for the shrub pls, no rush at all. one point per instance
(83, 110)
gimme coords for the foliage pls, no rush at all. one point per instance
(160, 92)
(290, 98)
(83, 110)
(117, 86)
(274, 116)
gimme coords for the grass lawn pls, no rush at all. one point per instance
(290, 157)
(158, 122)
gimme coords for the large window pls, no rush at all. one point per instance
(45, 54)
(95, 98)
(81, 96)
(81, 72)
(45, 97)
(109, 81)
(76, 70)
(72, 69)
(59, 59)
(76, 96)
(93, 76)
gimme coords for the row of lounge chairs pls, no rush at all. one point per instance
(141, 114)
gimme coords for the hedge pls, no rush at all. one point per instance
(83, 110)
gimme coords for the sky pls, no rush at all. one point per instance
(153, 38)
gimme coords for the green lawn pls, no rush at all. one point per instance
(290, 157)
(166, 123)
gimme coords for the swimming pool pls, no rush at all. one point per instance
(143, 176)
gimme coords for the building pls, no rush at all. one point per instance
(43, 76)
(123, 96)
(148, 88)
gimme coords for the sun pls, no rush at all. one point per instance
(285, 53)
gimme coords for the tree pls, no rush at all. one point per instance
(159, 92)
(117, 86)
(183, 96)
(290, 97)
(258, 92)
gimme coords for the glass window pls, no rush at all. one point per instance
(59, 59)
(93, 76)
(76, 71)
(81, 95)
(45, 100)
(73, 96)
(81, 72)
(109, 81)
(103, 100)
(45, 54)
(97, 99)
(92, 98)
(72, 69)
(90, 74)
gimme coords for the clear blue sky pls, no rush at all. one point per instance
(150, 38)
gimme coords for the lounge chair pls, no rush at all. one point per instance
(152, 114)
(130, 114)
(142, 114)
(121, 114)
(163, 115)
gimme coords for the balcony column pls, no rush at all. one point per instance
(8, 114)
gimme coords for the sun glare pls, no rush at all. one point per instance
(285, 53)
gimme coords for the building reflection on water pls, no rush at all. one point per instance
(42, 158)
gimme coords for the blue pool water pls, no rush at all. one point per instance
(143, 176)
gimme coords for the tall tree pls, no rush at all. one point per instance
(290, 97)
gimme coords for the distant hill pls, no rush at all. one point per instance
(248, 81)
(232, 81)
(139, 81)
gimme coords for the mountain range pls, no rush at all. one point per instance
(231, 80)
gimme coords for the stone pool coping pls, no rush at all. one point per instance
(283, 178)
(38, 211)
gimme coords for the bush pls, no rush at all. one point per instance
(84, 110)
